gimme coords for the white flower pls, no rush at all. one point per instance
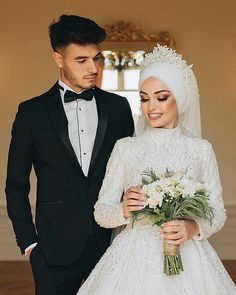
(190, 186)
(153, 196)
(199, 186)
(164, 181)
(154, 200)
(163, 184)
(145, 189)
(148, 188)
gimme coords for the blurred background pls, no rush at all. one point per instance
(204, 32)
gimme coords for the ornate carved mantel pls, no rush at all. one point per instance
(126, 36)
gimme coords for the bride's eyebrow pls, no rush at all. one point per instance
(157, 92)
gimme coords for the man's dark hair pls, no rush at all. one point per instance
(73, 29)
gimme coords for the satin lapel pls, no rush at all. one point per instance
(102, 126)
(60, 123)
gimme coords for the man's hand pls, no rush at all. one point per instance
(177, 232)
(30, 248)
(133, 200)
(27, 253)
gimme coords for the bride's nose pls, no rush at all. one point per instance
(153, 104)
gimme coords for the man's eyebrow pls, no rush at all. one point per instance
(82, 57)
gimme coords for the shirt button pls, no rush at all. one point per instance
(84, 153)
(82, 130)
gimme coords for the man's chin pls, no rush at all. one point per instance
(90, 85)
(86, 85)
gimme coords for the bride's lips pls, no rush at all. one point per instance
(154, 116)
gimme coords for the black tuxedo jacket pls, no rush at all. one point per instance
(65, 196)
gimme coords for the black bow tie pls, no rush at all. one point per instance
(87, 94)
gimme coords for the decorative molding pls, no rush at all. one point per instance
(224, 241)
(126, 36)
(125, 40)
(126, 46)
(129, 32)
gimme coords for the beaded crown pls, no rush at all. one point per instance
(164, 54)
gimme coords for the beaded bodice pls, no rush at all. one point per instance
(159, 149)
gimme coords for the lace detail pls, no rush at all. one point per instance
(211, 179)
(108, 211)
(133, 264)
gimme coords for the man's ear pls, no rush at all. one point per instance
(58, 59)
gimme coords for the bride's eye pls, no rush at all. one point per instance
(162, 98)
(142, 99)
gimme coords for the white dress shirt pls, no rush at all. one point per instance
(82, 126)
(82, 119)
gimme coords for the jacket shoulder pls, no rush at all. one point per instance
(36, 100)
(115, 98)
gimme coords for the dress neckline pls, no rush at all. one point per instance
(163, 134)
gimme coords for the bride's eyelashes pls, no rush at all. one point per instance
(161, 98)
(143, 99)
(164, 98)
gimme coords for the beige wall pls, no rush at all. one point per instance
(205, 33)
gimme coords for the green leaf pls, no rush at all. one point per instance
(157, 210)
(150, 173)
(164, 206)
(157, 218)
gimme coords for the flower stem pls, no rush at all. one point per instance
(173, 265)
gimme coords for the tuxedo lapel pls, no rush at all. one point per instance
(60, 123)
(102, 126)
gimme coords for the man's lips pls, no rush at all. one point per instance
(91, 77)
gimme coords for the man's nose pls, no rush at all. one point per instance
(92, 67)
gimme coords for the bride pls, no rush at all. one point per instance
(168, 135)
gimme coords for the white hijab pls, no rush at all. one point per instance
(185, 92)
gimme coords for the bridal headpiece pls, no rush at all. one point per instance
(168, 66)
(164, 54)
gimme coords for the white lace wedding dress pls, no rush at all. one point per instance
(133, 264)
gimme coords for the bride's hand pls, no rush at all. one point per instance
(177, 232)
(133, 200)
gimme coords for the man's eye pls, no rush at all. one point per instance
(81, 61)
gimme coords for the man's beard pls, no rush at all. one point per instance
(73, 81)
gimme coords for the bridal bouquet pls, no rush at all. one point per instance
(172, 196)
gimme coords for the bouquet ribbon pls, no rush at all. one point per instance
(172, 260)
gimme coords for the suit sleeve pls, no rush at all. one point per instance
(128, 121)
(20, 161)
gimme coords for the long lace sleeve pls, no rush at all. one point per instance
(108, 209)
(211, 178)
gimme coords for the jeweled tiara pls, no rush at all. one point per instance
(164, 54)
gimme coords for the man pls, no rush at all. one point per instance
(67, 134)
